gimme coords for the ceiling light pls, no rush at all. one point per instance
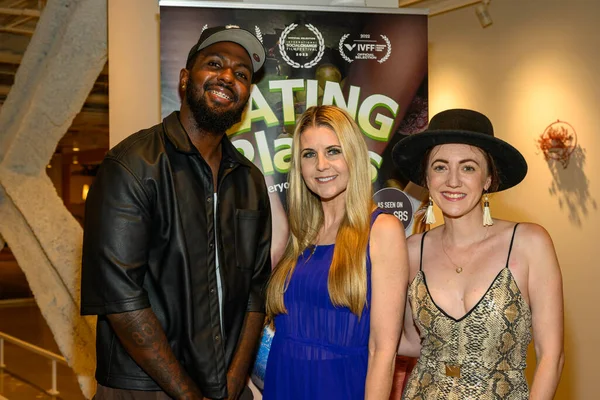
(84, 191)
(483, 14)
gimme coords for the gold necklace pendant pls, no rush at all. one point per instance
(457, 268)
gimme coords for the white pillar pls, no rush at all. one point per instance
(133, 66)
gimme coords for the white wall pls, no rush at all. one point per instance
(537, 63)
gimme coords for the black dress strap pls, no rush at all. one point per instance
(512, 239)
(421, 260)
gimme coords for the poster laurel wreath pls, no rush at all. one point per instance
(293, 63)
(389, 50)
(284, 55)
(258, 33)
(321, 46)
(341, 48)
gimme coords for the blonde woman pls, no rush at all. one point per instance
(337, 296)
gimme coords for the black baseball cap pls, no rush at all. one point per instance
(235, 34)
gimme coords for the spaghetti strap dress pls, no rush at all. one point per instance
(319, 351)
(480, 356)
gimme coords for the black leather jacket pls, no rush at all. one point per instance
(149, 242)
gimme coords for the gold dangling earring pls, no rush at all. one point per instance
(487, 216)
(429, 215)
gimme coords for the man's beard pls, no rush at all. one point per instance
(211, 119)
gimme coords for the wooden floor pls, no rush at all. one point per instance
(27, 375)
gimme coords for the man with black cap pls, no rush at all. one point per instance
(177, 236)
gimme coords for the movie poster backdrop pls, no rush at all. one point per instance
(371, 62)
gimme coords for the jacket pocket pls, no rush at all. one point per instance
(247, 224)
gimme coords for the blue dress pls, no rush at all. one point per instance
(319, 351)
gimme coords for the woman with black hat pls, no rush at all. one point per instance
(478, 286)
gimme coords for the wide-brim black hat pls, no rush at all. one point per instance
(464, 127)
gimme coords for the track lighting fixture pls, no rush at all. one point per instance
(483, 14)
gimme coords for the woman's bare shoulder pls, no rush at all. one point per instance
(528, 233)
(415, 238)
(533, 242)
(387, 223)
(413, 244)
(387, 231)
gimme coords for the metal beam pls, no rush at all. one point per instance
(437, 7)
(448, 6)
(20, 12)
(17, 31)
(91, 100)
(408, 3)
(17, 4)
(10, 58)
(19, 22)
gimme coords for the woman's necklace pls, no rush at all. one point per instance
(313, 249)
(457, 268)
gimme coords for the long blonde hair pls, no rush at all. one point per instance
(347, 281)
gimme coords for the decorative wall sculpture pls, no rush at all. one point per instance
(558, 141)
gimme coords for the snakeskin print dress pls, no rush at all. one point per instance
(480, 356)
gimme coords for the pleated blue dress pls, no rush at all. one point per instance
(319, 351)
